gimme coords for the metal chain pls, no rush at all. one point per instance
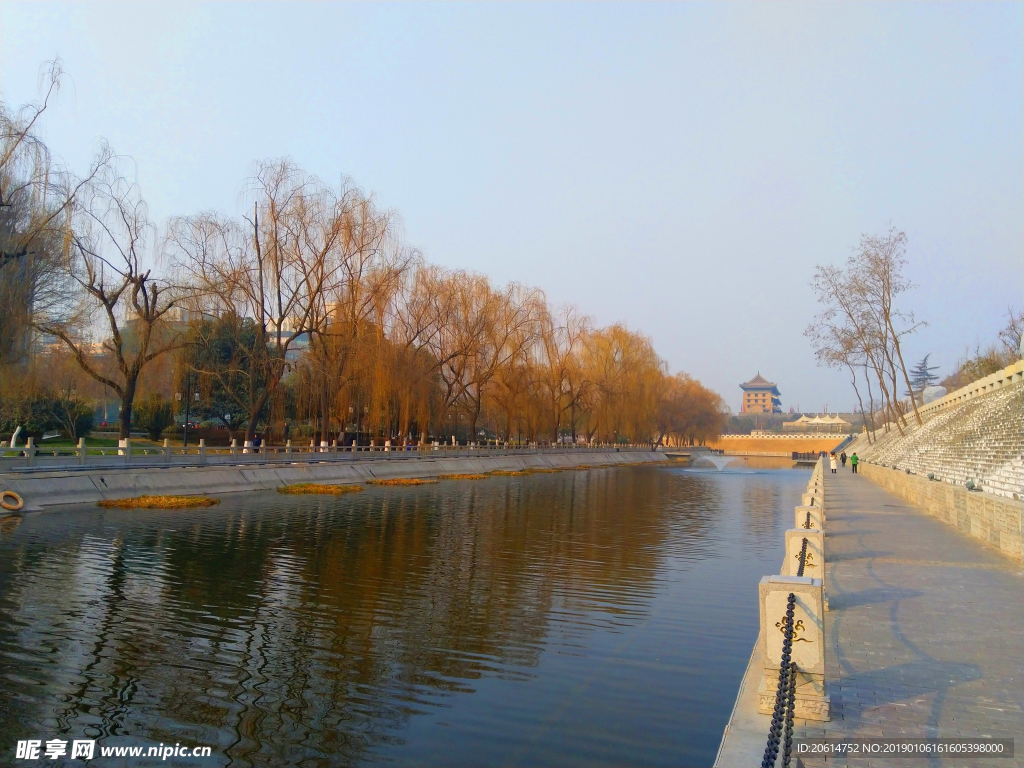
(787, 748)
(782, 716)
(803, 558)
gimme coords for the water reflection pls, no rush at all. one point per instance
(600, 616)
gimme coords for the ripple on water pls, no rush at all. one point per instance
(558, 619)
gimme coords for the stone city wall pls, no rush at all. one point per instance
(994, 520)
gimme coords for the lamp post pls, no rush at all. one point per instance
(188, 400)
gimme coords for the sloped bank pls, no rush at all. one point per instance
(46, 489)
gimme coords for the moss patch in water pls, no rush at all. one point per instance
(159, 502)
(317, 488)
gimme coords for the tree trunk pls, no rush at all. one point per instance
(127, 402)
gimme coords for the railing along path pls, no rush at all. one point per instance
(791, 690)
(32, 457)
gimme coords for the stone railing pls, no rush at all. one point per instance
(32, 457)
(1009, 375)
(793, 436)
(792, 615)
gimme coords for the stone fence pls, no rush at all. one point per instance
(1009, 375)
(996, 521)
(32, 457)
(801, 583)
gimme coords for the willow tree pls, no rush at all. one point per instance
(36, 197)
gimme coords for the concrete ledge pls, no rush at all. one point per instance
(995, 520)
(746, 733)
(46, 489)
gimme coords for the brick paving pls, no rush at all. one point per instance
(925, 629)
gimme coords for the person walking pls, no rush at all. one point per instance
(853, 463)
(842, 459)
(832, 461)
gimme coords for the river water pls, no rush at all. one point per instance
(580, 618)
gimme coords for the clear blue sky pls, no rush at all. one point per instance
(678, 167)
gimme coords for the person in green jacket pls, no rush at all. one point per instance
(853, 463)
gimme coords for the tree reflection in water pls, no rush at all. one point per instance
(315, 630)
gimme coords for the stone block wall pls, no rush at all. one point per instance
(979, 438)
(996, 521)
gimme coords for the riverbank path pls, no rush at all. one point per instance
(925, 629)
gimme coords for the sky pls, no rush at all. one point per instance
(680, 168)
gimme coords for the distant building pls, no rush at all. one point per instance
(760, 396)
(824, 423)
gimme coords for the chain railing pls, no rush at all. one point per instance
(803, 558)
(781, 731)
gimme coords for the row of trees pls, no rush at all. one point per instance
(308, 307)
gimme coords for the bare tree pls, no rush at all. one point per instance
(860, 327)
(877, 272)
(107, 238)
(1011, 334)
(272, 267)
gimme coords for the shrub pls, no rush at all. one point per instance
(45, 412)
(153, 414)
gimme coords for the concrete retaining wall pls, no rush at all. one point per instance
(44, 489)
(995, 520)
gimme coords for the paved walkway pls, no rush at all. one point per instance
(925, 628)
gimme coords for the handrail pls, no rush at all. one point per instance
(780, 734)
(32, 457)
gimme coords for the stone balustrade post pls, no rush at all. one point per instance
(387, 446)
(808, 651)
(817, 518)
(30, 451)
(167, 451)
(811, 499)
(288, 449)
(814, 564)
(234, 446)
(125, 449)
(81, 450)
(202, 450)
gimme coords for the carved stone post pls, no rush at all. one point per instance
(814, 563)
(811, 699)
(817, 518)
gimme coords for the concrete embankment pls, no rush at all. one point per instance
(45, 489)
